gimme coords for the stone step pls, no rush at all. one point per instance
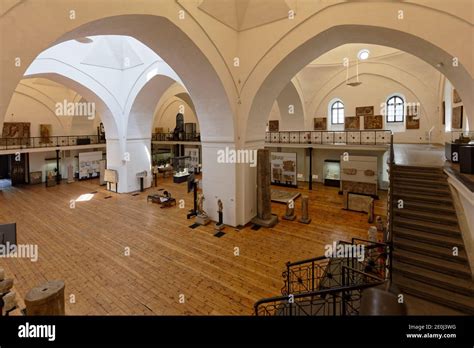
(423, 177)
(418, 169)
(425, 226)
(445, 253)
(421, 181)
(460, 270)
(447, 210)
(444, 192)
(417, 197)
(429, 238)
(444, 297)
(435, 279)
(426, 216)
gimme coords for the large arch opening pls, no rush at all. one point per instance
(288, 67)
(209, 99)
(336, 36)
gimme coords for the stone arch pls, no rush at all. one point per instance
(140, 120)
(105, 109)
(184, 57)
(292, 63)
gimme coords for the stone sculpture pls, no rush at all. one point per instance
(305, 210)
(264, 208)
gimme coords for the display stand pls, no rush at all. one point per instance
(141, 176)
(111, 177)
(192, 186)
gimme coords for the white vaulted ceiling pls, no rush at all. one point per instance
(245, 14)
(113, 52)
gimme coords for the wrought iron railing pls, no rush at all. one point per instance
(340, 300)
(326, 272)
(377, 260)
(364, 137)
(51, 141)
(176, 137)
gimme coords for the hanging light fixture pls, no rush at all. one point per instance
(357, 82)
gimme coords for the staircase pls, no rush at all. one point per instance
(425, 231)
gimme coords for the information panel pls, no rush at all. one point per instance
(283, 167)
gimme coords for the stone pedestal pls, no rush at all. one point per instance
(371, 211)
(290, 211)
(8, 300)
(202, 219)
(264, 208)
(305, 210)
(379, 224)
(46, 299)
(5, 286)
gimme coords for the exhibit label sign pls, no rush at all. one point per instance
(283, 167)
(89, 164)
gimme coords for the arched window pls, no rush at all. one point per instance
(395, 109)
(337, 112)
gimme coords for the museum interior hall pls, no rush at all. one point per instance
(255, 158)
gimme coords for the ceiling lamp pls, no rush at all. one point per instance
(363, 54)
(356, 82)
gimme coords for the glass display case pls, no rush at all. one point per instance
(161, 156)
(332, 173)
(181, 171)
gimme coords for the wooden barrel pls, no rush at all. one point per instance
(46, 299)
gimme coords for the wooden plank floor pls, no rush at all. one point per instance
(85, 247)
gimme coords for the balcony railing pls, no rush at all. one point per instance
(176, 137)
(455, 134)
(364, 137)
(44, 142)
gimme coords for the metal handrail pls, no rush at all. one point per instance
(318, 292)
(324, 293)
(306, 275)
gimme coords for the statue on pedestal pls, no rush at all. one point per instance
(290, 211)
(219, 225)
(201, 218)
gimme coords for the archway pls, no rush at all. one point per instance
(287, 67)
(184, 57)
(336, 36)
(215, 114)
